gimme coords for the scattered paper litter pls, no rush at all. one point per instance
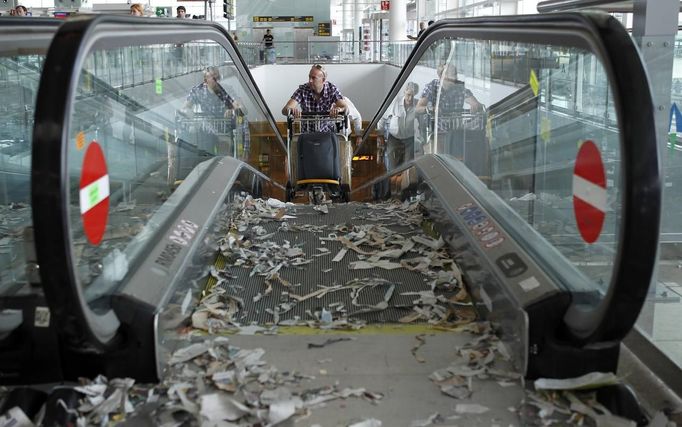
(471, 408)
(283, 410)
(526, 197)
(339, 256)
(251, 330)
(216, 407)
(188, 353)
(275, 203)
(371, 422)
(421, 340)
(426, 422)
(15, 417)
(329, 341)
(587, 381)
(323, 209)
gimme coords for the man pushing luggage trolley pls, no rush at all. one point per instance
(314, 115)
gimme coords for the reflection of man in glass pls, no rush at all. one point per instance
(210, 96)
(447, 96)
(216, 107)
(397, 128)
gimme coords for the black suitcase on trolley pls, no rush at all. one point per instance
(318, 156)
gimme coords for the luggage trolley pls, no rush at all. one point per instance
(213, 135)
(462, 134)
(199, 137)
(319, 163)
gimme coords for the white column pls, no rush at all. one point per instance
(397, 20)
(347, 14)
(357, 26)
(357, 22)
(334, 15)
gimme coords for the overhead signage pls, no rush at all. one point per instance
(283, 18)
(385, 4)
(164, 11)
(324, 29)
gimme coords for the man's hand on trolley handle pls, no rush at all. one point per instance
(335, 110)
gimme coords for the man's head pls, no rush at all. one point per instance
(267, 31)
(181, 11)
(422, 25)
(212, 77)
(411, 89)
(317, 77)
(20, 10)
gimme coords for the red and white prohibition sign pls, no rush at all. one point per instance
(589, 192)
(94, 193)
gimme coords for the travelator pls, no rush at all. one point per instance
(556, 237)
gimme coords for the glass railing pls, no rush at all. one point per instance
(522, 142)
(21, 62)
(539, 131)
(327, 52)
(129, 67)
(658, 322)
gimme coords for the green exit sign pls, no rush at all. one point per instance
(164, 11)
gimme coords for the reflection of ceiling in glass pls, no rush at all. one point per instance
(610, 6)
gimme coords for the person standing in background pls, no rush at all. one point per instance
(396, 129)
(136, 9)
(422, 27)
(20, 11)
(269, 44)
(355, 120)
(181, 12)
(235, 37)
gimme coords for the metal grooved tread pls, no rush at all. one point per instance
(307, 278)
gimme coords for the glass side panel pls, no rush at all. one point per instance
(143, 119)
(19, 76)
(534, 123)
(660, 317)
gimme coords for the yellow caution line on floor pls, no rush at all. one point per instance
(219, 264)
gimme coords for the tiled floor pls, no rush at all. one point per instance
(661, 319)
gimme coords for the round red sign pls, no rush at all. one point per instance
(589, 192)
(94, 193)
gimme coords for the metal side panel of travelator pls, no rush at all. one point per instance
(145, 129)
(27, 337)
(530, 141)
